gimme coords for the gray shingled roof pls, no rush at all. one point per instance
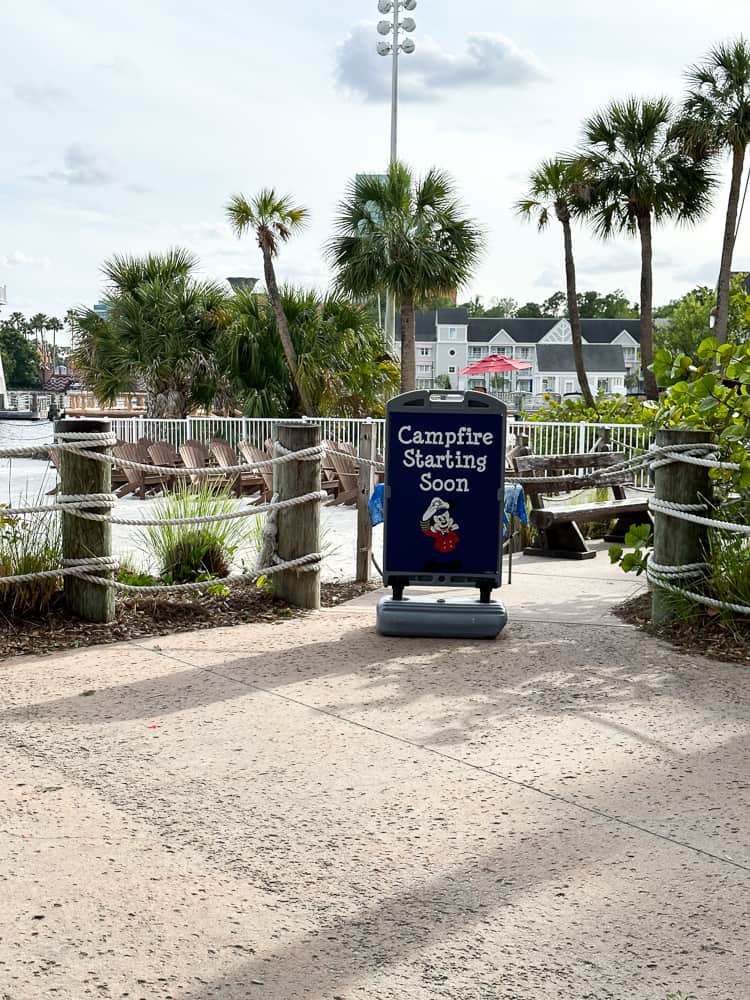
(596, 358)
(604, 331)
(424, 326)
(458, 316)
(524, 331)
(482, 329)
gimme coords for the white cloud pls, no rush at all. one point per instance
(208, 231)
(548, 278)
(706, 273)
(44, 96)
(488, 60)
(615, 261)
(17, 258)
(81, 168)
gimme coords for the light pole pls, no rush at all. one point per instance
(393, 48)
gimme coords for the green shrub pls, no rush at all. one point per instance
(185, 553)
(30, 545)
(711, 391)
(615, 410)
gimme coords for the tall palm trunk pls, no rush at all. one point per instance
(573, 313)
(647, 307)
(282, 327)
(727, 247)
(408, 345)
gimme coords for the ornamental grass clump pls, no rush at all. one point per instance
(29, 545)
(186, 553)
(729, 569)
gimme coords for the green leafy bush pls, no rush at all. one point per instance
(614, 410)
(639, 538)
(711, 392)
(30, 545)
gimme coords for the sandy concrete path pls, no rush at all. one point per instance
(306, 809)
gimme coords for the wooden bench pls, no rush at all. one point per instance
(556, 529)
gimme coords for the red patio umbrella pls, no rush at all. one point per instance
(495, 363)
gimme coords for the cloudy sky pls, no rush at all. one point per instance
(127, 126)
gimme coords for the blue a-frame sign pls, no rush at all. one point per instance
(443, 512)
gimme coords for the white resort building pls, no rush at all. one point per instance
(448, 340)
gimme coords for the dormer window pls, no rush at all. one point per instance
(452, 333)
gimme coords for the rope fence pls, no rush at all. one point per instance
(99, 507)
(99, 570)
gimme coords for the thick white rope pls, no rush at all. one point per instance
(78, 443)
(683, 513)
(197, 471)
(70, 567)
(661, 580)
(318, 495)
(80, 505)
(304, 564)
(686, 570)
(377, 463)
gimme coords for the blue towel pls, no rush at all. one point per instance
(515, 502)
(375, 505)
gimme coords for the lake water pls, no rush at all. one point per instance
(26, 481)
(22, 478)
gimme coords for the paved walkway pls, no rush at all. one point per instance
(306, 809)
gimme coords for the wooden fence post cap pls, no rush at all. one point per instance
(83, 425)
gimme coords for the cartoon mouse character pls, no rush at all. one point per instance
(437, 523)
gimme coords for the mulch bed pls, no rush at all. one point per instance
(704, 633)
(56, 630)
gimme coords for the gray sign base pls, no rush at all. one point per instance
(440, 618)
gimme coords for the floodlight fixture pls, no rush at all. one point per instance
(394, 48)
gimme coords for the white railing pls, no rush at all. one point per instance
(545, 438)
(32, 402)
(257, 430)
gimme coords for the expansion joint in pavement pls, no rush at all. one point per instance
(489, 772)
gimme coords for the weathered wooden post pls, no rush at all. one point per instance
(678, 542)
(604, 440)
(298, 527)
(364, 525)
(83, 539)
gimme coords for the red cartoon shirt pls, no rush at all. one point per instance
(445, 541)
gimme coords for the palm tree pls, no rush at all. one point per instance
(161, 333)
(642, 177)
(55, 326)
(18, 321)
(715, 119)
(561, 186)
(37, 324)
(339, 350)
(274, 220)
(405, 236)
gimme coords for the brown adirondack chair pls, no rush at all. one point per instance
(195, 455)
(252, 456)
(247, 483)
(137, 481)
(329, 480)
(163, 454)
(347, 472)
